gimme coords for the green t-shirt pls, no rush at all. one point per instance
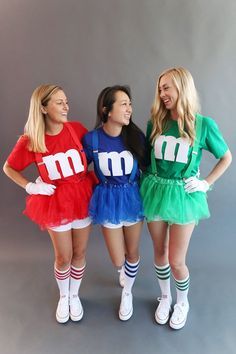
(172, 153)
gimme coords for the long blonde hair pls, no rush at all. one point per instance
(35, 125)
(187, 105)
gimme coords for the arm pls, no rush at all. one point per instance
(31, 188)
(15, 176)
(193, 184)
(219, 168)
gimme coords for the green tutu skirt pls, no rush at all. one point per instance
(165, 199)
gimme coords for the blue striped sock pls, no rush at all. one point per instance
(131, 270)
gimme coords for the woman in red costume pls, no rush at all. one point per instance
(58, 200)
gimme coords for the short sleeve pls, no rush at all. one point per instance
(214, 141)
(21, 157)
(87, 145)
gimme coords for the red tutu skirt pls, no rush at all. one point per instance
(69, 202)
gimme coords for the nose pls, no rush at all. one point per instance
(129, 108)
(161, 94)
(65, 106)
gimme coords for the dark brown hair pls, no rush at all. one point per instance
(132, 135)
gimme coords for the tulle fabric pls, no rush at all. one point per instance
(165, 199)
(113, 203)
(69, 202)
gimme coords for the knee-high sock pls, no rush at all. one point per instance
(163, 276)
(63, 280)
(76, 276)
(131, 270)
(182, 287)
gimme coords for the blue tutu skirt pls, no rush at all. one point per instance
(165, 199)
(115, 203)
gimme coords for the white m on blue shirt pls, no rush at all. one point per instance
(116, 163)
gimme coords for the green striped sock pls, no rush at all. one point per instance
(182, 287)
(162, 272)
(163, 276)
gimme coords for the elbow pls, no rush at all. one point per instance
(227, 158)
(5, 167)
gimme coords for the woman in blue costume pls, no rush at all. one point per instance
(174, 197)
(117, 149)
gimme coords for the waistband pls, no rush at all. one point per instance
(75, 180)
(118, 185)
(169, 181)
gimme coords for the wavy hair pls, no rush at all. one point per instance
(35, 125)
(187, 105)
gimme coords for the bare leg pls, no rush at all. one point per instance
(159, 234)
(132, 239)
(178, 246)
(80, 239)
(114, 239)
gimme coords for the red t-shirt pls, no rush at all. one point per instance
(62, 160)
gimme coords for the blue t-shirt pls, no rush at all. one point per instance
(115, 161)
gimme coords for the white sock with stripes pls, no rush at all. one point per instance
(163, 276)
(76, 276)
(131, 270)
(182, 287)
(63, 281)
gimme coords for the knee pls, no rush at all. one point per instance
(79, 255)
(63, 261)
(132, 257)
(177, 265)
(161, 254)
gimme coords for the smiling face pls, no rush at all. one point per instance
(121, 110)
(168, 92)
(57, 109)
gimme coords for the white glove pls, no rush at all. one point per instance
(193, 184)
(40, 187)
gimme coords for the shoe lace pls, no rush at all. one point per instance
(164, 302)
(125, 299)
(180, 310)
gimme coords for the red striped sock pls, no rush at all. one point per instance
(63, 280)
(76, 276)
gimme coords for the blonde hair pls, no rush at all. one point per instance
(35, 125)
(187, 105)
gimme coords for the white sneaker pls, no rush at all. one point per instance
(76, 308)
(126, 306)
(162, 313)
(62, 313)
(179, 316)
(122, 276)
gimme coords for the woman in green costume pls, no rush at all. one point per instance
(174, 196)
